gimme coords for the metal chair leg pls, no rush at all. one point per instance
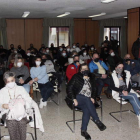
(121, 111)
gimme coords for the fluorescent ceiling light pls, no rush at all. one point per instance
(107, 1)
(65, 14)
(102, 14)
(125, 17)
(25, 14)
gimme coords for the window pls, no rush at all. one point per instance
(112, 32)
(59, 36)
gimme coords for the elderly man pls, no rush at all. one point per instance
(133, 66)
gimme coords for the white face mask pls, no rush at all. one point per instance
(10, 85)
(15, 51)
(92, 49)
(68, 50)
(84, 53)
(28, 54)
(61, 49)
(83, 48)
(38, 63)
(74, 46)
(47, 51)
(19, 64)
(64, 54)
(86, 45)
(112, 54)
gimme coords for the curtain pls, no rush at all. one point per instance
(57, 22)
(115, 22)
(3, 26)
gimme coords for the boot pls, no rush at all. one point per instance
(85, 134)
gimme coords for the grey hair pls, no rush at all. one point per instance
(7, 75)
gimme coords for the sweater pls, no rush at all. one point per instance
(23, 70)
(40, 73)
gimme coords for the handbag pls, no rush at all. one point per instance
(17, 110)
(69, 102)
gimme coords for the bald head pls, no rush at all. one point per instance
(127, 56)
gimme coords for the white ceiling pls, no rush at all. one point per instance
(78, 8)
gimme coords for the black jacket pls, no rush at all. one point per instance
(135, 48)
(75, 85)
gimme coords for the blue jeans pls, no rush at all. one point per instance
(88, 108)
(27, 87)
(46, 90)
(134, 101)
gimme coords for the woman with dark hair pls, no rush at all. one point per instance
(39, 74)
(121, 88)
(92, 50)
(82, 90)
(84, 56)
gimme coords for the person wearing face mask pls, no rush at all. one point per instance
(15, 104)
(75, 48)
(113, 59)
(63, 61)
(21, 51)
(80, 91)
(59, 52)
(133, 66)
(22, 73)
(120, 85)
(73, 68)
(136, 48)
(100, 69)
(92, 50)
(48, 52)
(84, 57)
(68, 49)
(3, 53)
(10, 50)
(39, 74)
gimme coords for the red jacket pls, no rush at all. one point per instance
(71, 70)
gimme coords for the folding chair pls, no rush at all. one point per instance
(121, 111)
(77, 109)
(33, 137)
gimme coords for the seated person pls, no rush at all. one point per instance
(75, 48)
(73, 68)
(21, 73)
(80, 91)
(48, 52)
(84, 56)
(63, 61)
(100, 69)
(2, 70)
(50, 68)
(133, 66)
(104, 53)
(21, 51)
(68, 51)
(12, 58)
(113, 59)
(120, 84)
(38, 74)
(3, 53)
(92, 50)
(17, 129)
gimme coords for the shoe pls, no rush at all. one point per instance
(45, 103)
(108, 95)
(96, 105)
(86, 135)
(41, 103)
(138, 120)
(100, 125)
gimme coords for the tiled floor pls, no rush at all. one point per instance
(55, 118)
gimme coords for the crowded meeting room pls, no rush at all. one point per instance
(70, 69)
